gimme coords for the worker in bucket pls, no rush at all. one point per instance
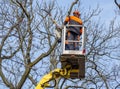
(73, 32)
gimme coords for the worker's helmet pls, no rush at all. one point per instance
(76, 12)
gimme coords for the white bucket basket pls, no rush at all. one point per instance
(81, 50)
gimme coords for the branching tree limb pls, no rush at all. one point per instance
(117, 3)
(71, 7)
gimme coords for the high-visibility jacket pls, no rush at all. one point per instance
(73, 20)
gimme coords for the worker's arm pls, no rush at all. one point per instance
(66, 20)
(81, 28)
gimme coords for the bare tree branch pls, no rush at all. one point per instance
(71, 7)
(117, 3)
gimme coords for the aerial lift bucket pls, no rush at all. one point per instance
(74, 59)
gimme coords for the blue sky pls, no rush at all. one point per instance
(108, 7)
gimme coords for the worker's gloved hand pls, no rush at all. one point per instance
(78, 37)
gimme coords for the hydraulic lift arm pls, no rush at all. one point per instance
(72, 67)
(72, 64)
(52, 76)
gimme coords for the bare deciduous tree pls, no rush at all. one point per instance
(29, 48)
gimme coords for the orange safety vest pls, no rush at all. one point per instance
(73, 20)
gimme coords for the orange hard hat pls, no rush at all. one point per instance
(76, 12)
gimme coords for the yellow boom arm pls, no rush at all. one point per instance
(44, 82)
